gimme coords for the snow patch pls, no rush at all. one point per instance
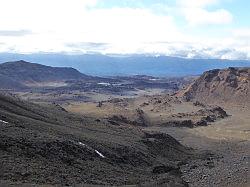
(104, 83)
(97, 152)
(100, 154)
(80, 143)
(5, 122)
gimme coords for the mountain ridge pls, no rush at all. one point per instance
(231, 85)
(18, 74)
(27, 71)
(113, 65)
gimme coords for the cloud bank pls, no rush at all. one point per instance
(81, 26)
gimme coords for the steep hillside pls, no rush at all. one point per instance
(47, 145)
(230, 85)
(21, 71)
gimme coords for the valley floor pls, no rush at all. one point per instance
(228, 140)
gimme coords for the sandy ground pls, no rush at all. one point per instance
(228, 140)
(235, 127)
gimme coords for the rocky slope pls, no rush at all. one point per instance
(230, 85)
(47, 145)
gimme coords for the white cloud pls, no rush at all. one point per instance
(34, 14)
(54, 23)
(195, 12)
(196, 3)
(199, 16)
(242, 33)
(77, 26)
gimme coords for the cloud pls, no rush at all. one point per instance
(60, 22)
(131, 25)
(242, 33)
(15, 32)
(196, 3)
(196, 13)
(235, 55)
(199, 16)
(26, 14)
(87, 46)
(80, 26)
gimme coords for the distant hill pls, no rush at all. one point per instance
(19, 73)
(134, 64)
(230, 85)
(26, 71)
(9, 83)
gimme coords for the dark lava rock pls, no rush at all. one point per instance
(163, 169)
(179, 123)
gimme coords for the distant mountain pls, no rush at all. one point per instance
(230, 85)
(30, 72)
(113, 65)
(9, 83)
(19, 74)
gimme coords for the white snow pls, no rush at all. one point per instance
(100, 154)
(104, 83)
(80, 143)
(118, 84)
(4, 121)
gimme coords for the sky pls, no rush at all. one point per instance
(184, 28)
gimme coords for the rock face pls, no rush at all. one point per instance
(230, 85)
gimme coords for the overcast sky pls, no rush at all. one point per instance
(187, 28)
